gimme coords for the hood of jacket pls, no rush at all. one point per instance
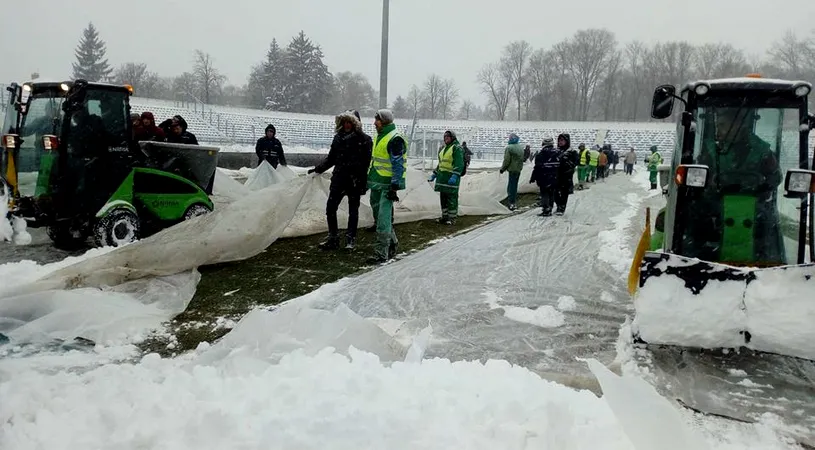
(568, 139)
(347, 116)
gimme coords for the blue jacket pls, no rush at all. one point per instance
(547, 163)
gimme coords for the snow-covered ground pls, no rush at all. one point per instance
(535, 292)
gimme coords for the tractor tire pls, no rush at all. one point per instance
(198, 209)
(65, 238)
(119, 227)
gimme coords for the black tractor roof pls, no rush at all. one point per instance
(47, 85)
(748, 83)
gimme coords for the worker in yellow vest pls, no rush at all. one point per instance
(448, 177)
(386, 177)
(594, 161)
(582, 166)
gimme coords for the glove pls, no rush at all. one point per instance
(501, 172)
(432, 177)
(310, 171)
(453, 179)
(391, 195)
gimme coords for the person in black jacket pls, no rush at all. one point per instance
(545, 174)
(568, 159)
(270, 149)
(178, 133)
(350, 155)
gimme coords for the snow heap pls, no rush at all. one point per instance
(242, 393)
(775, 309)
(13, 230)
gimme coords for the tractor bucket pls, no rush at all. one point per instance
(196, 163)
(692, 303)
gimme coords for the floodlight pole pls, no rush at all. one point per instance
(383, 68)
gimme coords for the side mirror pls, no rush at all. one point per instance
(691, 175)
(799, 183)
(662, 105)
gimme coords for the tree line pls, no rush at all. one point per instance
(588, 76)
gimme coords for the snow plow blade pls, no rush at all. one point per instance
(692, 303)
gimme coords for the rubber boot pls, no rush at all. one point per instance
(350, 242)
(392, 251)
(331, 243)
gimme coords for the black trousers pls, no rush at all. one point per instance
(562, 196)
(547, 198)
(332, 205)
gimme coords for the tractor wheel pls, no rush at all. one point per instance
(119, 227)
(66, 238)
(198, 209)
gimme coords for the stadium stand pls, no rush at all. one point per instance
(239, 126)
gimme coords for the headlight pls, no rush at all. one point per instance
(802, 90)
(691, 175)
(64, 87)
(27, 87)
(696, 177)
(701, 89)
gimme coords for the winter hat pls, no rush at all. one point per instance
(548, 141)
(356, 113)
(653, 148)
(134, 116)
(581, 146)
(596, 147)
(451, 134)
(514, 138)
(272, 128)
(385, 116)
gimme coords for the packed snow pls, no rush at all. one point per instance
(348, 399)
(719, 315)
(544, 316)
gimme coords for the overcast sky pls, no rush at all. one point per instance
(453, 38)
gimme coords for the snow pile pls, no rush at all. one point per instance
(614, 243)
(566, 303)
(13, 230)
(269, 335)
(544, 316)
(775, 309)
(329, 400)
(264, 176)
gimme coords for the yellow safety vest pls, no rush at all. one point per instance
(381, 160)
(584, 157)
(594, 158)
(446, 159)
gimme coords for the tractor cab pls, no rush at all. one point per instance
(72, 165)
(739, 178)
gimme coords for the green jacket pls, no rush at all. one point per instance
(443, 183)
(654, 160)
(513, 158)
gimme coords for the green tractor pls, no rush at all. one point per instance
(738, 217)
(70, 164)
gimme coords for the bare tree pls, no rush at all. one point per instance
(540, 79)
(414, 100)
(497, 82)
(431, 96)
(448, 96)
(794, 56)
(516, 55)
(207, 77)
(587, 55)
(466, 110)
(144, 82)
(671, 62)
